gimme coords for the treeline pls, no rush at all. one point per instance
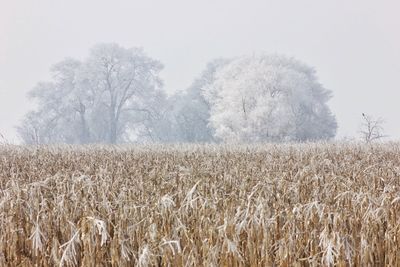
(116, 95)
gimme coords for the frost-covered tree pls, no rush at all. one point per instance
(109, 97)
(60, 116)
(124, 83)
(190, 112)
(268, 98)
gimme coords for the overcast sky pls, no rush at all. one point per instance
(354, 45)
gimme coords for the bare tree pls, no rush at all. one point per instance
(371, 128)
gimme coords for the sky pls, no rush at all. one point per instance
(353, 45)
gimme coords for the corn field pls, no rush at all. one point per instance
(200, 205)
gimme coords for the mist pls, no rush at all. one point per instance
(353, 48)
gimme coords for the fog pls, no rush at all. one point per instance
(352, 45)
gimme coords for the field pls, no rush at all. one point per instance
(267, 205)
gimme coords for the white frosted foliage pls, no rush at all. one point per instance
(268, 98)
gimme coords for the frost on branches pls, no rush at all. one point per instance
(102, 99)
(268, 98)
(116, 95)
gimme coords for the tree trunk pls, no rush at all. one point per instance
(112, 136)
(84, 135)
(84, 132)
(113, 132)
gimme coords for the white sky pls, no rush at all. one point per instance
(353, 44)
